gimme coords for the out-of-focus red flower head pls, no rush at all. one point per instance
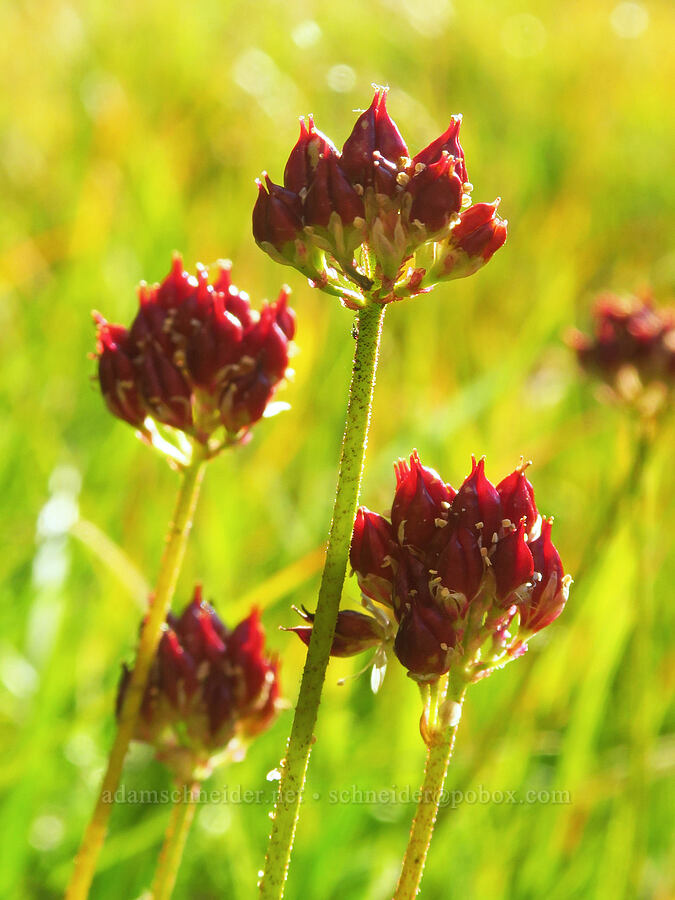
(209, 691)
(631, 349)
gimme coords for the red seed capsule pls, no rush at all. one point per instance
(448, 143)
(517, 498)
(374, 132)
(512, 564)
(477, 505)
(549, 594)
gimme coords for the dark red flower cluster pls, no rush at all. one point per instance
(373, 216)
(209, 689)
(466, 576)
(196, 357)
(632, 346)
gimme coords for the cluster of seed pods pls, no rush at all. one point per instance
(197, 356)
(455, 578)
(373, 216)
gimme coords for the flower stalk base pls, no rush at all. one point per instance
(174, 841)
(172, 559)
(440, 739)
(294, 767)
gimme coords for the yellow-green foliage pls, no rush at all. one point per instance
(128, 130)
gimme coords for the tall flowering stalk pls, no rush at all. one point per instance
(455, 584)
(631, 353)
(210, 691)
(371, 224)
(196, 370)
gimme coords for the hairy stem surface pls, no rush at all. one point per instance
(294, 767)
(439, 753)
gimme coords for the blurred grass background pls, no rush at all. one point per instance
(129, 130)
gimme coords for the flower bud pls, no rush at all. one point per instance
(266, 713)
(262, 365)
(277, 216)
(423, 641)
(448, 143)
(330, 192)
(194, 308)
(385, 182)
(215, 344)
(551, 587)
(208, 689)
(479, 232)
(236, 302)
(419, 501)
(284, 315)
(116, 373)
(436, 193)
(334, 212)
(477, 505)
(201, 632)
(244, 401)
(167, 310)
(512, 565)
(177, 672)
(151, 326)
(354, 632)
(471, 243)
(374, 132)
(517, 498)
(312, 146)
(176, 288)
(371, 555)
(460, 564)
(278, 230)
(165, 391)
(246, 649)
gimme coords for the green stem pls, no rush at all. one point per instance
(641, 683)
(179, 529)
(171, 854)
(620, 500)
(294, 767)
(439, 754)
